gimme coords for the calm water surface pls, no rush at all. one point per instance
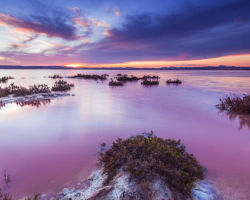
(48, 148)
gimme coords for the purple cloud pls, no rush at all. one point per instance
(194, 33)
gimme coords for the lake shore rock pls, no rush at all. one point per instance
(122, 187)
(33, 97)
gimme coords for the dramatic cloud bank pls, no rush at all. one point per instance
(97, 32)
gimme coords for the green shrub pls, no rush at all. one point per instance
(235, 104)
(146, 156)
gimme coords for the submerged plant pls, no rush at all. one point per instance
(128, 78)
(146, 156)
(115, 83)
(56, 76)
(6, 177)
(149, 82)
(5, 79)
(4, 196)
(150, 77)
(176, 81)
(89, 76)
(62, 86)
(235, 104)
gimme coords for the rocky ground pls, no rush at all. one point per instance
(123, 188)
(33, 97)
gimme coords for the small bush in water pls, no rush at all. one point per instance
(235, 104)
(55, 76)
(177, 81)
(62, 86)
(5, 79)
(146, 156)
(149, 82)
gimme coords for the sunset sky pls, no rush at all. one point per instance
(125, 33)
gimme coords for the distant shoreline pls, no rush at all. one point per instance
(219, 68)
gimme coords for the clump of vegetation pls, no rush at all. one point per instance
(4, 196)
(235, 104)
(56, 76)
(149, 82)
(177, 81)
(119, 74)
(62, 86)
(22, 91)
(89, 76)
(115, 83)
(7, 196)
(7, 178)
(147, 156)
(150, 77)
(126, 78)
(5, 79)
(35, 197)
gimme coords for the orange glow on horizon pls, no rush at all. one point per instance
(74, 65)
(230, 60)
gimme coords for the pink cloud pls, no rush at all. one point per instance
(81, 22)
(101, 23)
(118, 13)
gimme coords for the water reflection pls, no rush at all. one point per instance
(35, 103)
(46, 149)
(244, 120)
(1, 106)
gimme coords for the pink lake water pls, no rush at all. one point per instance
(48, 148)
